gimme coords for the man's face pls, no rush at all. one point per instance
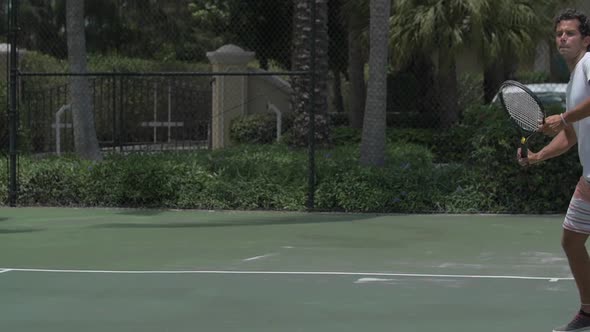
(569, 40)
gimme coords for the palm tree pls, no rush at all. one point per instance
(356, 16)
(302, 61)
(510, 31)
(373, 137)
(86, 143)
(441, 28)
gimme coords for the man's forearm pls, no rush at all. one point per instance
(578, 113)
(561, 143)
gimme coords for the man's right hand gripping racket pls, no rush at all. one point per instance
(525, 110)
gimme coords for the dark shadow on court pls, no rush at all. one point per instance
(3, 219)
(17, 231)
(290, 220)
(141, 212)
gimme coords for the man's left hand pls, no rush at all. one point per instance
(553, 125)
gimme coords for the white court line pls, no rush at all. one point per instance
(367, 280)
(258, 257)
(317, 273)
(4, 270)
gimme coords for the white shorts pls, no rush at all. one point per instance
(577, 218)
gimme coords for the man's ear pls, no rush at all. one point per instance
(587, 41)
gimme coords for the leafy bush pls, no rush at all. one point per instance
(338, 119)
(260, 128)
(480, 154)
(3, 113)
(53, 181)
(102, 63)
(244, 177)
(3, 179)
(346, 136)
(38, 62)
(446, 146)
(410, 182)
(275, 177)
(543, 187)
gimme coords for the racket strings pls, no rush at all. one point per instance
(523, 108)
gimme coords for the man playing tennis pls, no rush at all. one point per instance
(572, 37)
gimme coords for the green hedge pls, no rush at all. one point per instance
(481, 175)
(240, 178)
(258, 128)
(274, 177)
(244, 177)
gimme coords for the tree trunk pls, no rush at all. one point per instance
(493, 77)
(356, 71)
(337, 99)
(302, 61)
(81, 103)
(423, 68)
(373, 137)
(447, 79)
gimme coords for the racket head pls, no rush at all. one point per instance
(523, 106)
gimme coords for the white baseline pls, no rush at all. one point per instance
(315, 273)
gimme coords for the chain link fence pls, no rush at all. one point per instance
(176, 36)
(178, 75)
(154, 91)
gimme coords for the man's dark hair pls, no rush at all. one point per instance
(574, 14)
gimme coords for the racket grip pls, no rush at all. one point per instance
(524, 151)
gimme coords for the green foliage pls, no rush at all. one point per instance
(38, 62)
(409, 182)
(446, 146)
(479, 175)
(55, 181)
(3, 179)
(346, 136)
(479, 156)
(470, 91)
(492, 156)
(3, 110)
(244, 177)
(258, 128)
(108, 63)
(261, 26)
(528, 77)
(44, 95)
(298, 132)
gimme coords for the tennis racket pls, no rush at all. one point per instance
(525, 110)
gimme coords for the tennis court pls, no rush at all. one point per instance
(150, 270)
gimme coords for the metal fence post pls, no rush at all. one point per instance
(311, 147)
(12, 101)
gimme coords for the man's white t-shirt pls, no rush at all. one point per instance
(578, 90)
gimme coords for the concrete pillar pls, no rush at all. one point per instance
(229, 92)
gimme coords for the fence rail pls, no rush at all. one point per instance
(131, 114)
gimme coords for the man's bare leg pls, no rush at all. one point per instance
(574, 245)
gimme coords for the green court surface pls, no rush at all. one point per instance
(149, 270)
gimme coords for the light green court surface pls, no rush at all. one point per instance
(148, 270)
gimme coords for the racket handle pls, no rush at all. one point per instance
(524, 151)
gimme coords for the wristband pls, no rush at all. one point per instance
(562, 119)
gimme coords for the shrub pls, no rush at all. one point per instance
(52, 181)
(3, 179)
(409, 182)
(346, 136)
(260, 128)
(545, 187)
(275, 177)
(3, 113)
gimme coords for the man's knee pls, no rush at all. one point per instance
(572, 242)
